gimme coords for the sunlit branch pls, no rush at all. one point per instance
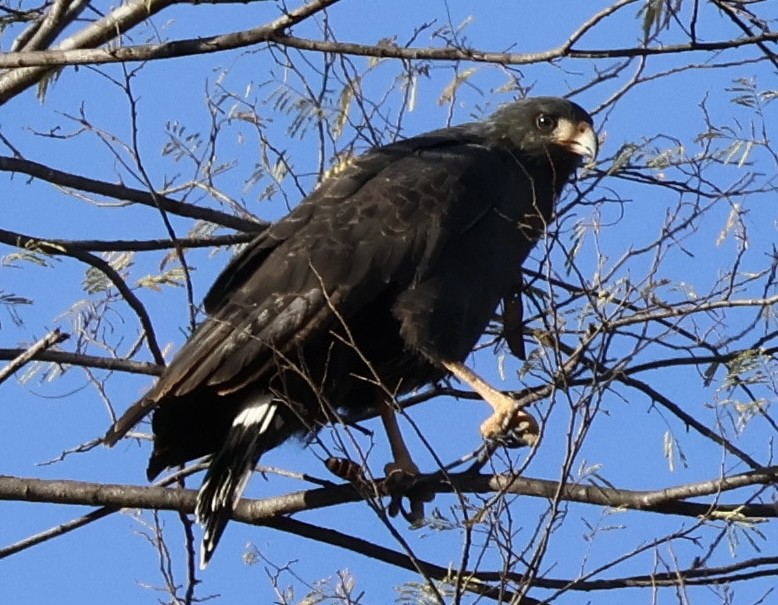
(44, 30)
(664, 501)
(51, 339)
(89, 361)
(267, 34)
(269, 512)
(122, 19)
(150, 245)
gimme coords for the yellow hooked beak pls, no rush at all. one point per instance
(579, 138)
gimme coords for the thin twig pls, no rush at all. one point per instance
(51, 339)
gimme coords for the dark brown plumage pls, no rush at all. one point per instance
(377, 282)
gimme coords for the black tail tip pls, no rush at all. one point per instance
(206, 552)
(214, 525)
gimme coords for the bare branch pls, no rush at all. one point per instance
(270, 34)
(51, 339)
(113, 25)
(121, 192)
(88, 361)
(665, 501)
(26, 242)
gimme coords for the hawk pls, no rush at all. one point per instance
(380, 281)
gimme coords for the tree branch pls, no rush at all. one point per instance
(121, 192)
(132, 245)
(664, 501)
(27, 242)
(271, 34)
(270, 512)
(51, 339)
(113, 25)
(88, 361)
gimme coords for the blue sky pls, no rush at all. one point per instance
(111, 560)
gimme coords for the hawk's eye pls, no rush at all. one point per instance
(545, 123)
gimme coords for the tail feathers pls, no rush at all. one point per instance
(252, 433)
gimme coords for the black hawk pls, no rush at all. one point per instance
(382, 280)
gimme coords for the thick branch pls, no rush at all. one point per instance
(666, 501)
(118, 21)
(270, 513)
(270, 34)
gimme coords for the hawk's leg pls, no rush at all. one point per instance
(506, 419)
(401, 473)
(403, 463)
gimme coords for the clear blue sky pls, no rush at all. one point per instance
(110, 561)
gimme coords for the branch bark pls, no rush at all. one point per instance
(257, 512)
(122, 192)
(88, 361)
(272, 35)
(111, 27)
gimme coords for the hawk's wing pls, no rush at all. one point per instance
(382, 220)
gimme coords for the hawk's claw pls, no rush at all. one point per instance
(512, 428)
(400, 483)
(515, 439)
